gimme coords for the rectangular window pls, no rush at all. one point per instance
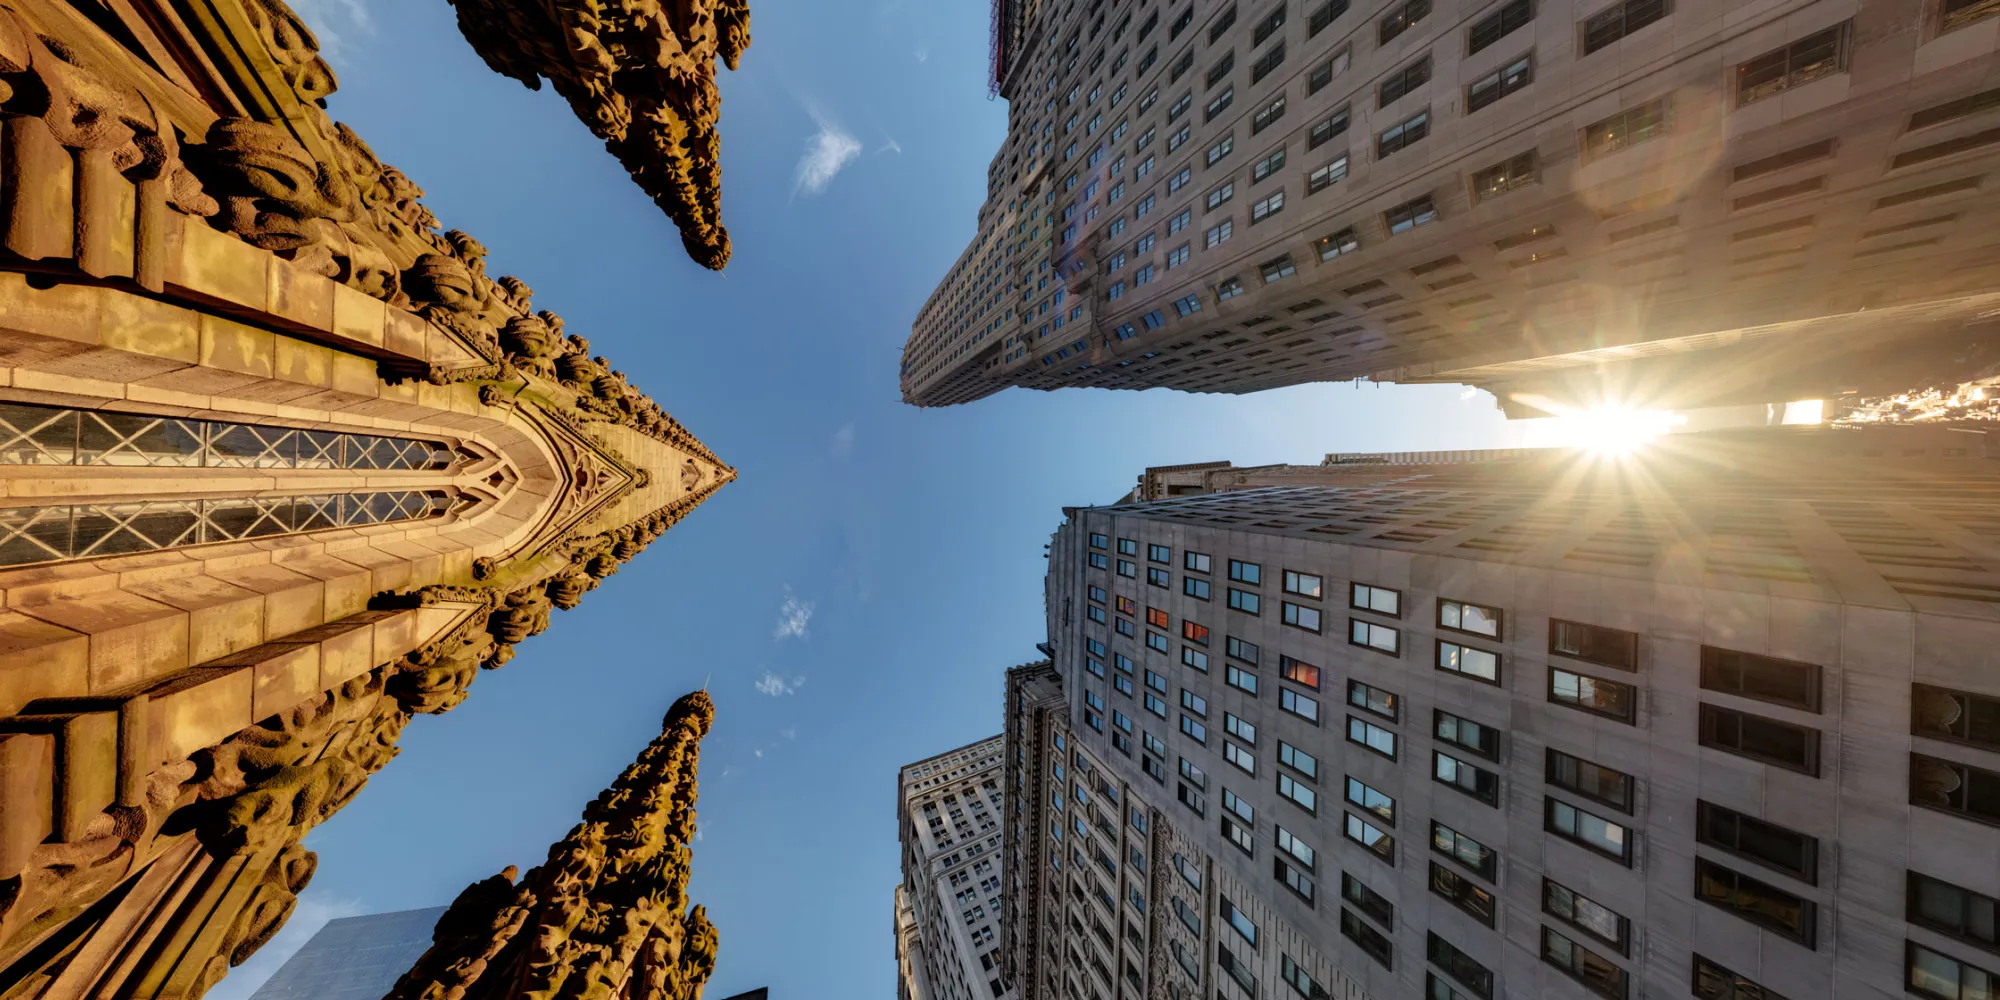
(1758, 902)
(1371, 799)
(1954, 910)
(1610, 699)
(1221, 68)
(1475, 781)
(1367, 938)
(1380, 600)
(1498, 84)
(1335, 244)
(1298, 760)
(1713, 982)
(1194, 730)
(1459, 965)
(1268, 165)
(1267, 206)
(1264, 119)
(1301, 617)
(1194, 658)
(1303, 795)
(1368, 901)
(1299, 705)
(1197, 589)
(1098, 541)
(1764, 678)
(1128, 546)
(1466, 734)
(1586, 914)
(1822, 53)
(1194, 703)
(1246, 572)
(1156, 706)
(1326, 128)
(1404, 81)
(1157, 682)
(1218, 234)
(1238, 922)
(1236, 833)
(1216, 105)
(1369, 836)
(1380, 638)
(1401, 19)
(1463, 893)
(1753, 839)
(1594, 971)
(1240, 679)
(1215, 198)
(1463, 616)
(1128, 569)
(1934, 974)
(1500, 178)
(1403, 134)
(1372, 736)
(1244, 601)
(1325, 177)
(1608, 647)
(1419, 211)
(1324, 15)
(1239, 728)
(1592, 781)
(1294, 879)
(1970, 792)
(1158, 643)
(1372, 699)
(1159, 553)
(1614, 23)
(1303, 584)
(1245, 651)
(1466, 661)
(1299, 672)
(1197, 562)
(1220, 149)
(1277, 269)
(1588, 829)
(1499, 24)
(1625, 129)
(1476, 857)
(1758, 738)
(1157, 618)
(1190, 631)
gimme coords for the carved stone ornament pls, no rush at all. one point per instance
(641, 75)
(607, 915)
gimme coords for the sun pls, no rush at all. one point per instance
(1606, 431)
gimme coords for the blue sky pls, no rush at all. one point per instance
(852, 599)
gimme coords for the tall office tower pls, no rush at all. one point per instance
(948, 822)
(1229, 195)
(1719, 722)
(354, 958)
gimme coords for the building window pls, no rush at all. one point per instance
(1197, 589)
(1475, 781)
(1466, 661)
(1505, 176)
(1326, 128)
(1822, 53)
(1713, 982)
(1625, 129)
(1404, 81)
(1758, 738)
(1194, 658)
(1380, 638)
(1958, 716)
(1370, 940)
(1371, 799)
(1589, 829)
(1098, 541)
(1194, 730)
(1298, 760)
(1970, 792)
(1301, 795)
(1367, 835)
(1498, 84)
(1196, 562)
(1245, 651)
(1216, 236)
(1753, 839)
(1760, 903)
(1261, 121)
(1299, 705)
(1372, 699)
(1302, 617)
(1419, 211)
(1476, 619)
(1463, 733)
(1273, 270)
(1608, 647)
(1367, 900)
(1620, 20)
(1335, 244)
(1244, 600)
(1463, 893)
(1324, 15)
(1240, 679)
(1934, 974)
(1610, 699)
(1267, 62)
(1246, 572)
(1954, 910)
(1299, 672)
(1586, 914)
(1458, 965)
(1592, 781)
(1267, 206)
(1216, 105)
(1594, 971)
(1238, 921)
(1220, 149)
(1364, 733)
(1325, 177)
(1403, 134)
(1959, 13)
(1403, 17)
(1269, 165)
(1765, 678)
(1380, 600)
(1499, 24)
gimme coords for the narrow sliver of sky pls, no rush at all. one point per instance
(852, 599)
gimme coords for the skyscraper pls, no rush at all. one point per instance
(1683, 202)
(354, 958)
(948, 823)
(1714, 721)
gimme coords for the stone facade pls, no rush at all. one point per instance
(1678, 203)
(1521, 729)
(948, 823)
(285, 469)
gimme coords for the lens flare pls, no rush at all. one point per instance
(1605, 431)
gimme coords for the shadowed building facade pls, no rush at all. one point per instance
(1718, 722)
(353, 958)
(948, 906)
(284, 468)
(1676, 204)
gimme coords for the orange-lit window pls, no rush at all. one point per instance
(1156, 618)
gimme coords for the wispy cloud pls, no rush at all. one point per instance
(311, 914)
(777, 686)
(843, 441)
(793, 617)
(335, 23)
(892, 146)
(827, 151)
(923, 54)
(789, 732)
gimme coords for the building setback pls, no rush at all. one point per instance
(1694, 725)
(1231, 195)
(948, 905)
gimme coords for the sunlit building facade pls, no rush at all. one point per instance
(948, 905)
(1229, 195)
(1715, 721)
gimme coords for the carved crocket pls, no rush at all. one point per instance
(607, 915)
(641, 75)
